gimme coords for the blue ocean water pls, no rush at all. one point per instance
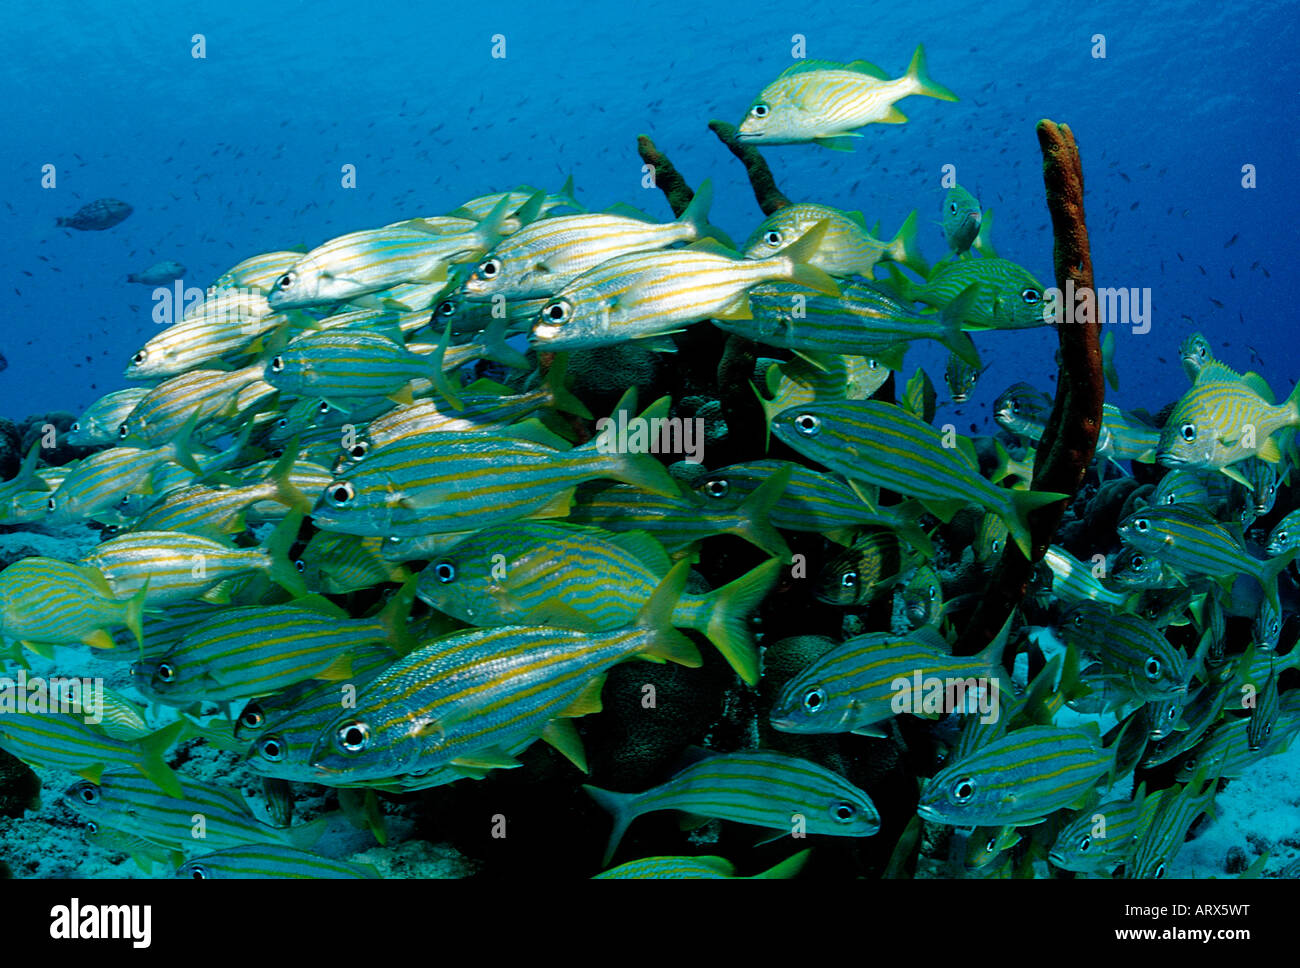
(240, 151)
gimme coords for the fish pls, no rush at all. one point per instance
(864, 320)
(1225, 418)
(867, 679)
(846, 249)
(1285, 535)
(542, 258)
(201, 394)
(96, 216)
(923, 602)
(1101, 838)
(172, 566)
(961, 219)
(879, 443)
(1263, 716)
(257, 650)
(763, 788)
(1134, 654)
(271, 862)
(203, 818)
(372, 260)
(824, 102)
(960, 377)
(1196, 354)
(158, 274)
(99, 423)
(466, 699)
(553, 573)
(1073, 581)
(855, 576)
(257, 272)
(1186, 539)
(445, 482)
(195, 340)
(1019, 779)
(1170, 821)
(646, 294)
(46, 602)
(1258, 497)
(1023, 410)
(479, 208)
(703, 868)
(1009, 296)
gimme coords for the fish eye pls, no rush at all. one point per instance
(952, 209)
(933, 592)
(557, 312)
(139, 357)
(989, 847)
(323, 408)
(997, 546)
(251, 717)
(849, 579)
(814, 700)
(1281, 536)
(166, 671)
(1030, 296)
(272, 749)
(285, 281)
(445, 572)
(962, 790)
(844, 811)
(352, 737)
(1188, 431)
(759, 110)
(717, 487)
(445, 308)
(807, 424)
(76, 425)
(358, 450)
(282, 423)
(1173, 713)
(488, 268)
(277, 364)
(1085, 844)
(92, 827)
(199, 872)
(1142, 525)
(300, 565)
(341, 494)
(89, 794)
(1160, 872)
(123, 432)
(49, 504)
(1015, 406)
(1138, 561)
(1077, 620)
(1152, 668)
(772, 238)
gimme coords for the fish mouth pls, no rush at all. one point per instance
(927, 812)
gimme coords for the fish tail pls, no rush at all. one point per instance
(566, 193)
(1020, 504)
(562, 398)
(493, 225)
(1269, 572)
(286, 492)
(305, 835)
(133, 617)
(955, 338)
(903, 248)
(439, 376)
(282, 570)
(983, 243)
(756, 514)
(394, 615)
(182, 451)
(798, 257)
(495, 348)
(667, 644)
(622, 807)
(919, 75)
(787, 868)
(697, 213)
(729, 610)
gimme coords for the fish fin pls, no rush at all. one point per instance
(918, 74)
(561, 397)
(645, 548)
(557, 507)
(1269, 451)
(943, 510)
(893, 116)
(730, 607)
(697, 212)
(339, 670)
(713, 245)
(867, 68)
(162, 775)
(282, 570)
(873, 730)
(843, 142)
(902, 248)
(492, 758)
(755, 514)
(737, 309)
(1020, 505)
(563, 736)
(98, 639)
(394, 616)
(622, 807)
(588, 700)
(667, 644)
(1233, 474)
(800, 255)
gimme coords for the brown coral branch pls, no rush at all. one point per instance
(1070, 438)
(768, 195)
(666, 176)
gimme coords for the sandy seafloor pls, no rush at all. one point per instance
(1256, 813)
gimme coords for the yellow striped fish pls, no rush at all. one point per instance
(847, 248)
(44, 601)
(824, 102)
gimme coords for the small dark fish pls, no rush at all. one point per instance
(100, 214)
(4, 364)
(1231, 240)
(1216, 302)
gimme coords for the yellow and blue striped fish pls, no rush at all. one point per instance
(466, 699)
(1018, 779)
(199, 394)
(1101, 838)
(258, 272)
(645, 294)
(99, 423)
(704, 868)
(759, 787)
(1009, 297)
(1135, 656)
(550, 573)
(232, 324)
(45, 602)
(1170, 820)
(824, 102)
(271, 862)
(847, 249)
(881, 444)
